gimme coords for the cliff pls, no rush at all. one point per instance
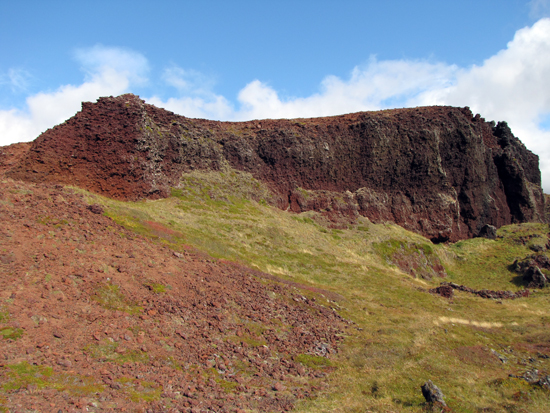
(438, 171)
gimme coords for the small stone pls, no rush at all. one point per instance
(278, 387)
(536, 247)
(544, 382)
(432, 393)
(65, 363)
(96, 209)
(501, 357)
(7, 258)
(488, 231)
(443, 290)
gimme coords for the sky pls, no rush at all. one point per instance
(256, 59)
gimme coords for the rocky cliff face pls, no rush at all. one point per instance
(438, 171)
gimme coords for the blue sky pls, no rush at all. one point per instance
(238, 60)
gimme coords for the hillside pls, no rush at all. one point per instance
(208, 294)
(438, 171)
(95, 316)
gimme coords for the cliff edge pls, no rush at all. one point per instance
(438, 171)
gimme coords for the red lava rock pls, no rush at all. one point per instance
(444, 289)
(406, 166)
(65, 363)
(102, 339)
(12, 154)
(279, 387)
(7, 258)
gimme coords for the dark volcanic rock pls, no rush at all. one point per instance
(432, 393)
(438, 171)
(488, 231)
(530, 268)
(443, 290)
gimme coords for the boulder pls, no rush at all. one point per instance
(432, 393)
(530, 267)
(443, 290)
(488, 231)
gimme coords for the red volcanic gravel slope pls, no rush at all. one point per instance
(96, 318)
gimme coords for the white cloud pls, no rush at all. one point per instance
(212, 107)
(188, 80)
(98, 59)
(196, 100)
(539, 8)
(512, 85)
(109, 71)
(371, 87)
(16, 79)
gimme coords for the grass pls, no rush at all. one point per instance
(107, 351)
(157, 288)
(110, 297)
(401, 335)
(11, 333)
(8, 332)
(140, 390)
(312, 361)
(4, 316)
(20, 375)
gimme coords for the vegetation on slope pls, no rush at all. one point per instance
(402, 335)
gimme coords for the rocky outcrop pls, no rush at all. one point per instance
(531, 268)
(433, 394)
(438, 171)
(446, 290)
(11, 155)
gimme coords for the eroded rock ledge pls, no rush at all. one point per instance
(439, 171)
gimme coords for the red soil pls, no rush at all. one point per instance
(127, 324)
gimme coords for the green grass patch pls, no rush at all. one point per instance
(252, 341)
(22, 374)
(11, 333)
(19, 376)
(48, 220)
(401, 335)
(107, 351)
(313, 361)
(110, 297)
(157, 288)
(4, 316)
(140, 390)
